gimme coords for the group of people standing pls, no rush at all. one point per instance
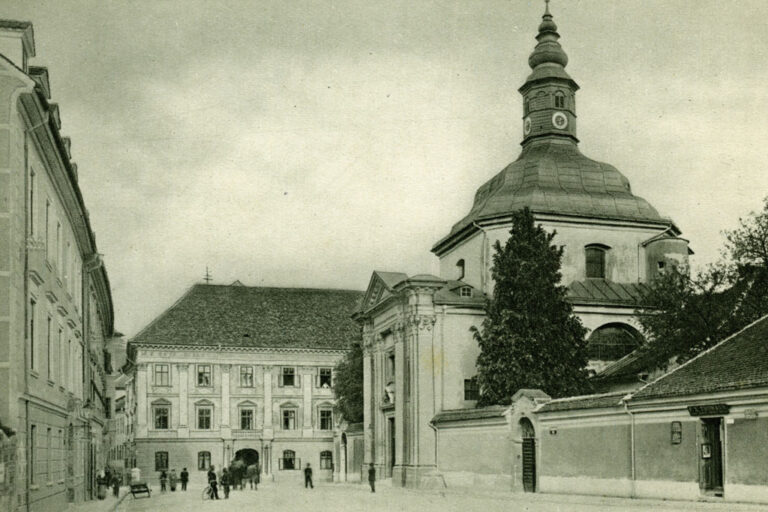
(232, 478)
(173, 479)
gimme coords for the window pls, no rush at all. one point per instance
(526, 106)
(59, 358)
(390, 366)
(32, 452)
(661, 265)
(162, 375)
(324, 379)
(32, 345)
(677, 432)
(465, 291)
(289, 419)
(58, 249)
(161, 461)
(246, 376)
(246, 419)
(203, 461)
(203, 375)
(162, 415)
(595, 262)
(47, 230)
(326, 419)
(288, 377)
(470, 389)
(559, 100)
(48, 452)
(204, 415)
(50, 350)
(289, 460)
(31, 202)
(326, 460)
(460, 269)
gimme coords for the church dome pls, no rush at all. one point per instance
(553, 176)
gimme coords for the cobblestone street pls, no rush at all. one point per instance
(336, 497)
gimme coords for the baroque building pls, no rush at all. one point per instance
(419, 351)
(237, 372)
(55, 301)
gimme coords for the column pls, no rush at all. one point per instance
(226, 432)
(367, 398)
(268, 432)
(307, 381)
(400, 375)
(183, 373)
(141, 400)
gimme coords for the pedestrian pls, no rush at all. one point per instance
(163, 480)
(372, 477)
(212, 483)
(116, 485)
(172, 479)
(184, 479)
(257, 477)
(226, 480)
(308, 477)
(250, 474)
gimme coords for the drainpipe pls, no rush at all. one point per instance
(437, 432)
(631, 444)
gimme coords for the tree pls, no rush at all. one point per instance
(348, 385)
(529, 337)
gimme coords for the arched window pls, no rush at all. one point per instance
(526, 106)
(595, 256)
(559, 100)
(611, 342)
(288, 461)
(203, 461)
(326, 460)
(460, 269)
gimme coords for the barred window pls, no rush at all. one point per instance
(161, 461)
(326, 460)
(246, 376)
(203, 461)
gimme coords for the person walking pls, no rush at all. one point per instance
(257, 477)
(213, 484)
(163, 481)
(184, 479)
(308, 477)
(372, 478)
(226, 480)
(116, 485)
(172, 479)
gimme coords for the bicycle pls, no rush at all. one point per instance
(207, 493)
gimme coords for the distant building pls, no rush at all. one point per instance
(55, 301)
(237, 372)
(419, 352)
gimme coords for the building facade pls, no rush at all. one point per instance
(55, 301)
(236, 372)
(419, 350)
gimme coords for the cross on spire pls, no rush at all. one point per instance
(546, 6)
(207, 277)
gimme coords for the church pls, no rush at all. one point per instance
(419, 352)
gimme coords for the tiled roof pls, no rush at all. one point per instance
(738, 362)
(583, 402)
(604, 291)
(493, 411)
(243, 316)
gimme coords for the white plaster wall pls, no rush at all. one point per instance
(458, 352)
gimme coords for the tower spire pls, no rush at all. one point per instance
(546, 7)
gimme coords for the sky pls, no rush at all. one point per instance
(291, 143)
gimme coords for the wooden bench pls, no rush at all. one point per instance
(140, 488)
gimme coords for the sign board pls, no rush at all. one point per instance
(709, 410)
(750, 414)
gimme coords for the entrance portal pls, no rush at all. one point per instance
(248, 456)
(529, 455)
(711, 455)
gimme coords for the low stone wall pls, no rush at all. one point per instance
(8, 477)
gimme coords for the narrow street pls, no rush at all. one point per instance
(342, 497)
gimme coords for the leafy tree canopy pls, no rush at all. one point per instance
(529, 337)
(348, 385)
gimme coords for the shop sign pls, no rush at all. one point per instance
(709, 410)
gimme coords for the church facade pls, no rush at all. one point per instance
(238, 372)
(419, 351)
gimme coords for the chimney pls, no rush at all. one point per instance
(17, 42)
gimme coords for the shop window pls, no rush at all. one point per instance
(161, 461)
(204, 375)
(162, 375)
(326, 460)
(470, 389)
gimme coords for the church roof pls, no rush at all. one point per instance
(738, 362)
(605, 291)
(553, 176)
(244, 316)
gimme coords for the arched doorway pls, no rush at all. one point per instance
(248, 456)
(528, 435)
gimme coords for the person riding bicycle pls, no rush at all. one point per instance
(212, 483)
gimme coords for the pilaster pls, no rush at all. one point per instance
(400, 404)
(368, 404)
(182, 371)
(141, 399)
(268, 430)
(226, 431)
(307, 381)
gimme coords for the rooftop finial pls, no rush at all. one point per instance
(546, 7)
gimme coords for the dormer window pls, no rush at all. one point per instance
(559, 100)
(595, 256)
(465, 291)
(460, 269)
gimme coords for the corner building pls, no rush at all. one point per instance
(55, 301)
(419, 352)
(237, 372)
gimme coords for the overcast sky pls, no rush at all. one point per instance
(308, 143)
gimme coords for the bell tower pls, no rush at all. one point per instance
(549, 93)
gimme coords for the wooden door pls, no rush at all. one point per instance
(529, 464)
(711, 455)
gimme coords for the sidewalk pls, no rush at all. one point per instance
(108, 504)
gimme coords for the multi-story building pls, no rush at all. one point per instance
(236, 372)
(55, 301)
(419, 350)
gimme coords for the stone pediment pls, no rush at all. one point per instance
(380, 288)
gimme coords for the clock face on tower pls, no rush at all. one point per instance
(527, 126)
(559, 120)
